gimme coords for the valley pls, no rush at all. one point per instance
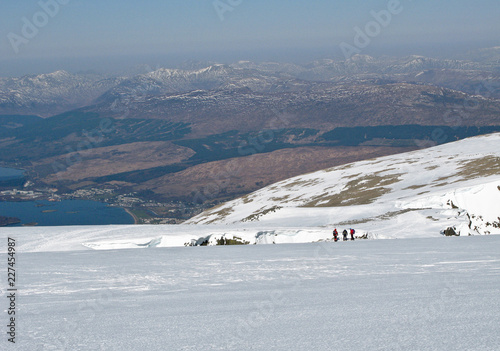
(190, 139)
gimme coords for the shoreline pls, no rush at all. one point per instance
(136, 220)
(66, 212)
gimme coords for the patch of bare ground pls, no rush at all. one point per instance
(414, 187)
(246, 199)
(423, 192)
(255, 216)
(300, 183)
(352, 176)
(361, 191)
(230, 178)
(281, 199)
(109, 160)
(443, 181)
(482, 167)
(220, 212)
(384, 171)
(341, 168)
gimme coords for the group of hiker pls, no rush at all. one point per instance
(344, 234)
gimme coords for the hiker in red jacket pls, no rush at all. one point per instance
(352, 233)
(335, 235)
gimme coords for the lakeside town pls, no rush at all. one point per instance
(143, 211)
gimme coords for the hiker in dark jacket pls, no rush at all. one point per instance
(344, 234)
(335, 235)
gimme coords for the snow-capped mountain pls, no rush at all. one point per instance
(48, 94)
(274, 77)
(60, 91)
(214, 77)
(421, 193)
(328, 69)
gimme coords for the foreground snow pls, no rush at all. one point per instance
(415, 294)
(113, 237)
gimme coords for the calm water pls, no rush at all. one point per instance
(10, 173)
(67, 212)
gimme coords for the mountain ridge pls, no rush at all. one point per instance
(52, 93)
(456, 185)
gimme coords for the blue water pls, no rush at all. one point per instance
(10, 173)
(87, 213)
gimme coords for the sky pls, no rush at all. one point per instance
(77, 35)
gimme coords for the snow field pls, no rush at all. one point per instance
(415, 294)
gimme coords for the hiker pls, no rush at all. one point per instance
(344, 234)
(352, 233)
(335, 235)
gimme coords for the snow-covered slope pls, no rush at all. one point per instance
(413, 195)
(421, 193)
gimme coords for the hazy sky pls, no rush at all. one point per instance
(100, 34)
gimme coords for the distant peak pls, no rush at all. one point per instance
(359, 58)
(59, 73)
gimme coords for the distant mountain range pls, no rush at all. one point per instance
(49, 94)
